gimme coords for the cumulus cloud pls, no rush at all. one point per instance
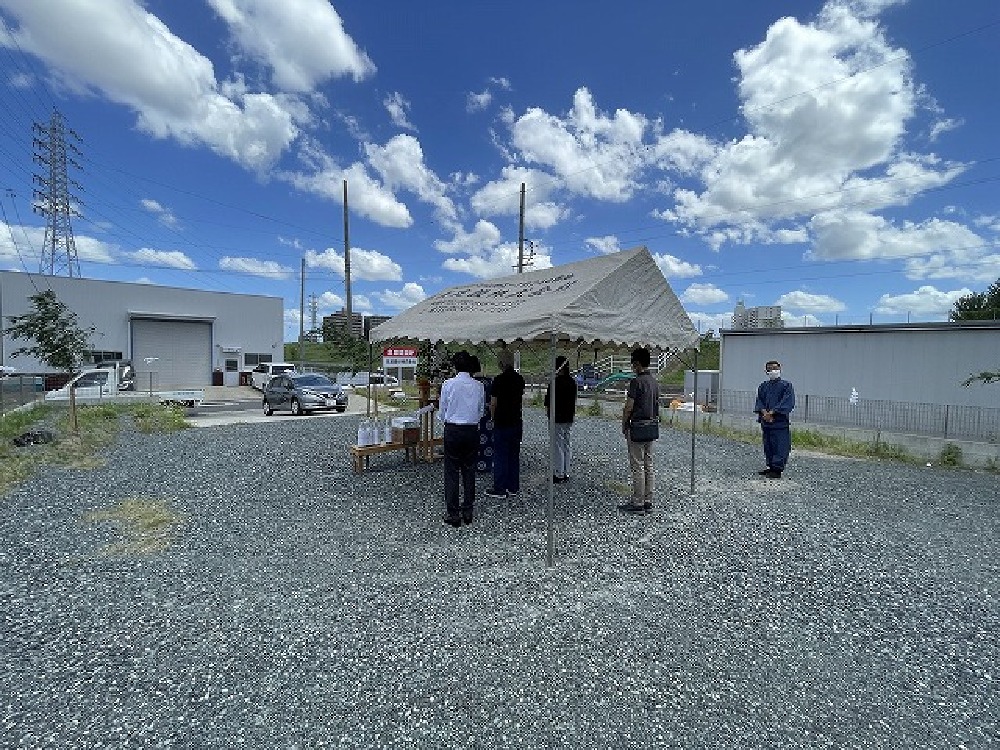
(267, 269)
(810, 303)
(502, 197)
(924, 301)
(122, 52)
(604, 245)
(483, 237)
(497, 261)
(163, 258)
(302, 42)
(400, 163)
(406, 297)
(703, 294)
(673, 267)
(366, 265)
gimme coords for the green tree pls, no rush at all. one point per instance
(59, 340)
(978, 305)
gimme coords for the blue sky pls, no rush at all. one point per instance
(837, 158)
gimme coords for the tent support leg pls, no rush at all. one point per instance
(694, 415)
(550, 505)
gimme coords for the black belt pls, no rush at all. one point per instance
(460, 424)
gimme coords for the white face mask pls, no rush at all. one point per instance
(774, 374)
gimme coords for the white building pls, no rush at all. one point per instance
(174, 337)
(764, 316)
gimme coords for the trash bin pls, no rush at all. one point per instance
(244, 378)
(217, 377)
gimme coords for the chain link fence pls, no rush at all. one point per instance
(18, 390)
(974, 423)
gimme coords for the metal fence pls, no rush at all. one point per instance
(18, 390)
(939, 420)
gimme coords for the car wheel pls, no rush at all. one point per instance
(296, 408)
(268, 411)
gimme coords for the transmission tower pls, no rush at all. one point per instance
(55, 147)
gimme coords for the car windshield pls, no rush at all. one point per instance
(315, 381)
(278, 369)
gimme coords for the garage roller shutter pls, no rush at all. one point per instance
(179, 353)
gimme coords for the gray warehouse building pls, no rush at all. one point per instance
(174, 337)
(916, 362)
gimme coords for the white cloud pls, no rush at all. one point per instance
(164, 215)
(329, 301)
(923, 301)
(502, 197)
(827, 105)
(406, 297)
(398, 109)
(810, 303)
(703, 294)
(705, 322)
(400, 164)
(268, 269)
(366, 196)
(165, 258)
(673, 267)
(605, 245)
(593, 154)
(303, 42)
(498, 261)
(483, 237)
(478, 102)
(366, 265)
(117, 48)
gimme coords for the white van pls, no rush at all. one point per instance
(267, 370)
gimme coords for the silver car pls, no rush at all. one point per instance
(303, 393)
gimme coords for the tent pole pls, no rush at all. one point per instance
(694, 415)
(550, 505)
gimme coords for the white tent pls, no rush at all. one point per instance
(619, 300)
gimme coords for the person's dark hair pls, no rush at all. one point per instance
(560, 362)
(640, 356)
(462, 362)
(476, 365)
(771, 362)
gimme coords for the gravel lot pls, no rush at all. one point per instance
(291, 604)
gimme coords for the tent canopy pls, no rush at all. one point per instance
(619, 300)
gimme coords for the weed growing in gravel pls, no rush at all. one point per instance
(951, 455)
(145, 525)
(594, 410)
(97, 428)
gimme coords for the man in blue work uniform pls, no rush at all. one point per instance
(775, 401)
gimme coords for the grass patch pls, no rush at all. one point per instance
(145, 526)
(951, 455)
(97, 427)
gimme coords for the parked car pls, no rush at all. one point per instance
(588, 376)
(263, 372)
(362, 380)
(303, 393)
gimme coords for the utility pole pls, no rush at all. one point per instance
(302, 313)
(520, 235)
(55, 148)
(347, 269)
(313, 312)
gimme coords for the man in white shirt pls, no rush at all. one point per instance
(461, 406)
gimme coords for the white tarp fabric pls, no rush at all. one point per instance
(620, 299)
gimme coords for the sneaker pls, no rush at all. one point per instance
(466, 518)
(765, 472)
(455, 521)
(773, 474)
(639, 510)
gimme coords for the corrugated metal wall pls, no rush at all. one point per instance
(921, 363)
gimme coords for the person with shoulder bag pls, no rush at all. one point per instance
(641, 428)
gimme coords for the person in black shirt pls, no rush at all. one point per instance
(506, 396)
(566, 391)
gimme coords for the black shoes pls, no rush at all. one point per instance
(773, 474)
(455, 521)
(765, 472)
(556, 479)
(466, 518)
(635, 510)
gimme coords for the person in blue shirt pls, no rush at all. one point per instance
(775, 401)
